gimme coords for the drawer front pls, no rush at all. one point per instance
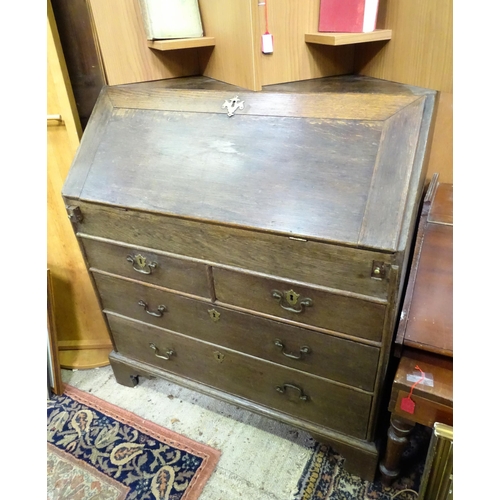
(148, 266)
(295, 393)
(349, 315)
(324, 355)
(325, 264)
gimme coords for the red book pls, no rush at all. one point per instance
(348, 16)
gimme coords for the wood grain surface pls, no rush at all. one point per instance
(76, 310)
(256, 380)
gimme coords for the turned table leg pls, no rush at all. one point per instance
(397, 439)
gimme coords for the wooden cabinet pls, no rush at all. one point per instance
(256, 254)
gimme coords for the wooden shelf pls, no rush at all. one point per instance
(84, 359)
(181, 43)
(347, 38)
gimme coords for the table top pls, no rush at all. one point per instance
(426, 321)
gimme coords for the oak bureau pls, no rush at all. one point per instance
(253, 245)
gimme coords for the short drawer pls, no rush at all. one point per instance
(148, 266)
(296, 393)
(339, 313)
(328, 356)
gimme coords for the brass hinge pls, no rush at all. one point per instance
(74, 213)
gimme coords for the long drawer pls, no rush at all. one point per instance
(352, 269)
(295, 393)
(149, 266)
(360, 318)
(328, 356)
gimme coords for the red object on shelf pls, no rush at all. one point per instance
(348, 16)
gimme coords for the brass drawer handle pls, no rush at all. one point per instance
(303, 350)
(284, 387)
(139, 260)
(292, 299)
(168, 353)
(160, 309)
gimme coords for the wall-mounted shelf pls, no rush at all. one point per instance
(347, 38)
(181, 43)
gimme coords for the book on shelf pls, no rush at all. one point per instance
(166, 19)
(348, 16)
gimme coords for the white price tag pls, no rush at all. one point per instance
(267, 43)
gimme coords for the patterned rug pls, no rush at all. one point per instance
(324, 477)
(98, 451)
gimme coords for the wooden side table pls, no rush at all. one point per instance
(424, 338)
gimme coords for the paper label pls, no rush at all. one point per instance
(417, 377)
(267, 43)
(408, 405)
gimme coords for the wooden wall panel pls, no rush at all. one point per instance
(83, 61)
(238, 25)
(419, 53)
(123, 45)
(441, 155)
(421, 49)
(78, 319)
(233, 59)
(293, 59)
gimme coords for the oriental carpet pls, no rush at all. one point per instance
(324, 477)
(98, 451)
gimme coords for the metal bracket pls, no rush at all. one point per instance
(378, 270)
(74, 213)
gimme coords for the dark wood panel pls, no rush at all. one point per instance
(441, 210)
(81, 53)
(430, 316)
(314, 307)
(386, 206)
(322, 147)
(426, 320)
(327, 404)
(82, 162)
(361, 455)
(177, 274)
(324, 264)
(225, 174)
(353, 84)
(368, 105)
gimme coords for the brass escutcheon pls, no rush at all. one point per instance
(292, 299)
(219, 356)
(214, 315)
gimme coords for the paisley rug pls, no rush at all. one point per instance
(324, 477)
(98, 451)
